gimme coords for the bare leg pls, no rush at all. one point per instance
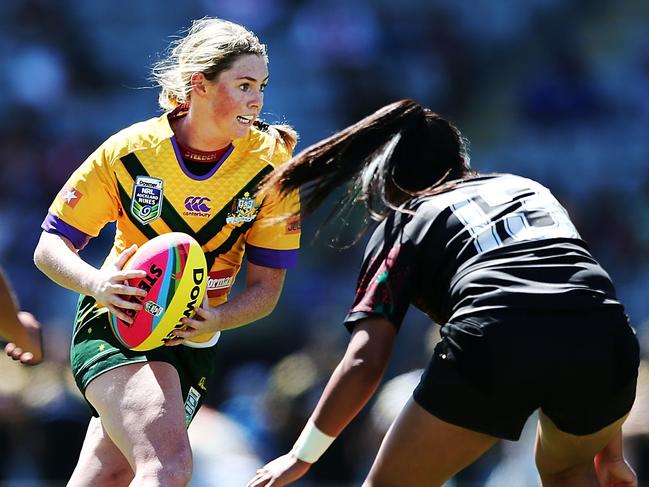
(421, 449)
(566, 460)
(100, 461)
(141, 409)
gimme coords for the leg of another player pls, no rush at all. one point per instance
(567, 460)
(141, 409)
(421, 449)
(100, 461)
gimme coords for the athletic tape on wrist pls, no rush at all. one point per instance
(312, 443)
(210, 343)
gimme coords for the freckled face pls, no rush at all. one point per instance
(236, 96)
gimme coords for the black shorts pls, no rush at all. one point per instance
(491, 371)
(96, 350)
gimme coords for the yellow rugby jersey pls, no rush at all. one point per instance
(138, 179)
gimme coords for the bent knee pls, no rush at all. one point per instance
(108, 475)
(180, 467)
(170, 468)
(118, 477)
(176, 477)
(164, 476)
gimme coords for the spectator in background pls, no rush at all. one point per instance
(565, 92)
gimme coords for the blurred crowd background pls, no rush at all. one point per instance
(557, 90)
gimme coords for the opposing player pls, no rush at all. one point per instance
(529, 319)
(21, 330)
(195, 169)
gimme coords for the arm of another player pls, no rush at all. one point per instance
(350, 387)
(19, 328)
(57, 258)
(258, 299)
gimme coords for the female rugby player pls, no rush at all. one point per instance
(194, 169)
(530, 320)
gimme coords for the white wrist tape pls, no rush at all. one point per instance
(312, 443)
(212, 341)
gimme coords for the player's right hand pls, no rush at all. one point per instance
(112, 289)
(281, 471)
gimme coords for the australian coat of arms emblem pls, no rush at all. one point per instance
(244, 209)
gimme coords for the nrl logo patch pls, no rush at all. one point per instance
(244, 209)
(146, 202)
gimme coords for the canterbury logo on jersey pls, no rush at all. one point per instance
(197, 206)
(197, 203)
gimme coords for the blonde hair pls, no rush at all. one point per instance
(210, 46)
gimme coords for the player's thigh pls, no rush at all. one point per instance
(421, 449)
(141, 408)
(100, 461)
(558, 451)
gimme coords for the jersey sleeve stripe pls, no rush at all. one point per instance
(275, 258)
(53, 224)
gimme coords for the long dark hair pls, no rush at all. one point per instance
(399, 152)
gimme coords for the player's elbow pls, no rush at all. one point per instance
(365, 369)
(368, 352)
(40, 255)
(269, 297)
(45, 251)
(265, 311)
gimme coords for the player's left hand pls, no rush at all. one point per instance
(204, 321)
(281, 471)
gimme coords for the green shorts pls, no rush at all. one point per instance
(96, 350)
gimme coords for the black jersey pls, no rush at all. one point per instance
(494, 241)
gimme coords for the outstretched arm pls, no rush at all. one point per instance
(350, 387)
(19, 328)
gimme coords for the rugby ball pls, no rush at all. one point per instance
(175, 283)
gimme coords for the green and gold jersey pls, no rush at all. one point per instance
(138, 179)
